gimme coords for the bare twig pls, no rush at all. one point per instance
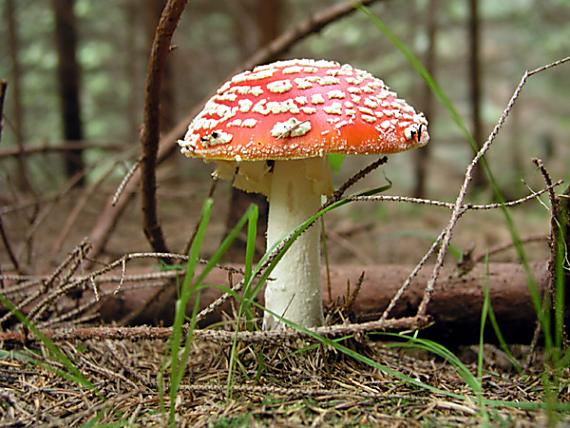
(213, 187)
(125, 181)
(46, 284)
(474, 207)
(64, 146)
(411, 277)
(357, 177)
(70, 265)
(448, 232)
(547, 301)
(352, 298)
(49, 199)
(313, 24)
(74, 313)
(507, 245)
(78, 208)
(223, 336)
(150, 134)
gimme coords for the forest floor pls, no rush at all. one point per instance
(292, 383)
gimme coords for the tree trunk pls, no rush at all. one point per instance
(68, 72)
(422, 156)
(475, 86)
(132, 67)
(15, 79)
(268, 19)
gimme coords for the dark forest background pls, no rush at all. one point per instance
(76, 71)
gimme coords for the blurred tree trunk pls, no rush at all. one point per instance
(10, 12)
(132, 73)
(267, 17)
(475, 83)
(167, 115)
(422, 156)
(68, 72)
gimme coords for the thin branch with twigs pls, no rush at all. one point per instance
(223, 336)
(549, 290)
(455, 215)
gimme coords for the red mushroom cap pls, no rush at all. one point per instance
(303, 108)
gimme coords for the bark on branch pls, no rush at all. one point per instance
(151, 127)
(455, 308)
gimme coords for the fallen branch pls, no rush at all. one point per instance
(455, 307)
(224, 336)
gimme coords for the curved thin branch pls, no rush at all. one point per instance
(150, 132)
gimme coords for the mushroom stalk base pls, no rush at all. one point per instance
(295, 291)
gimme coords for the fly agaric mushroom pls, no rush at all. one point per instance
(269, 131)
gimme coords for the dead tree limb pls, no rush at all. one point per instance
(455, 308)
(223, 336)
(313, 24)
(151, 127)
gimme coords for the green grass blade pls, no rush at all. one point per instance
(439, 350)
(252, 217)
(560, 284)
(565, 407)
(71, 372)
(180, 314)
(191, 288)
(501, 339)
(422, 71)
(481, 354)
(335, 161)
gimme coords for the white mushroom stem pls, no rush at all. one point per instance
(295, 291)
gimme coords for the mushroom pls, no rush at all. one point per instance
(269, 130)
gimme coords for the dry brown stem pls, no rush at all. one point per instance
(224, 336)
(150, 134)
(547, 300)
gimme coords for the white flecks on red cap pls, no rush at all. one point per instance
(303, 108)
(290, 128)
